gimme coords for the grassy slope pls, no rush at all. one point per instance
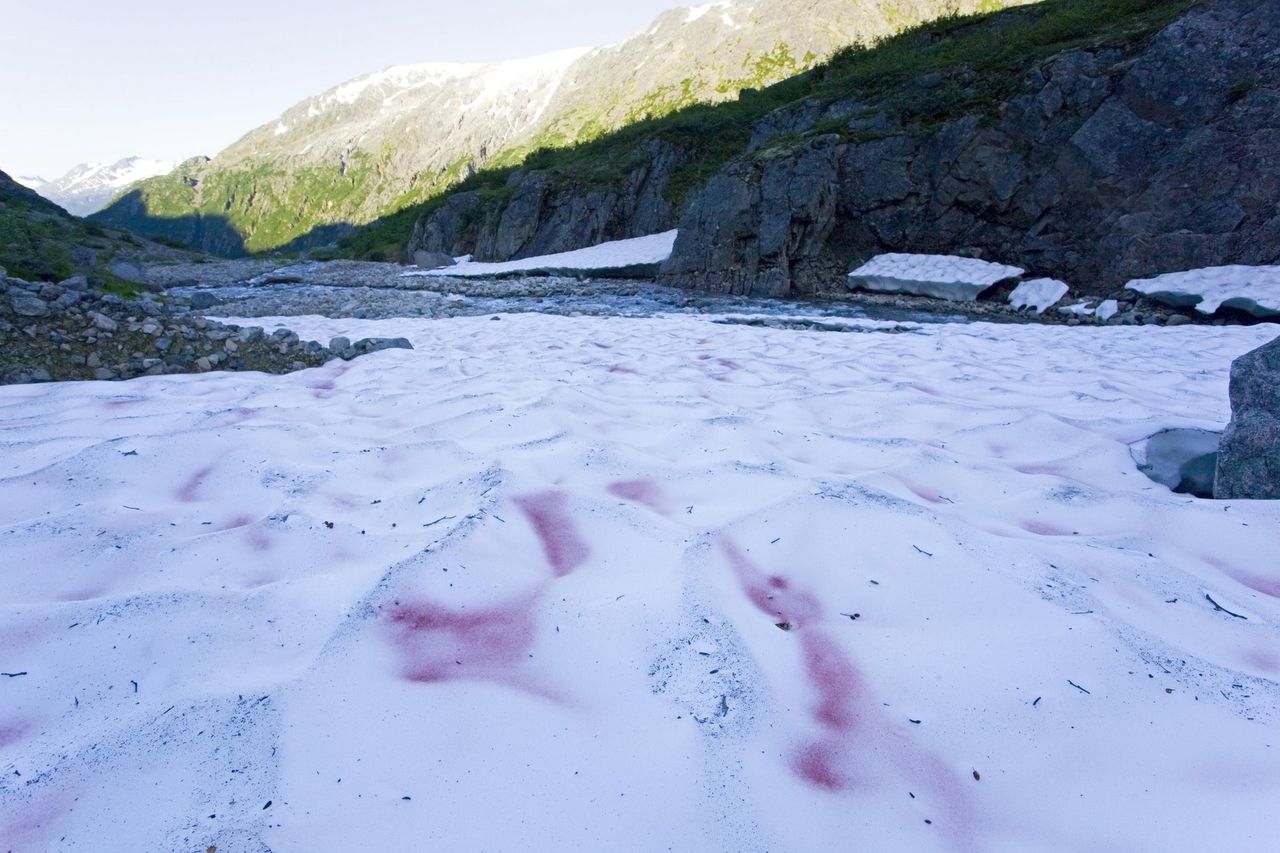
(971, 64)
(37, 237)
(40, 241)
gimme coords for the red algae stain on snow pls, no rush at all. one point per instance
(836, 680)
(771, 594)
(855, 745)
(190, 490)
(643, 492)
(1258, 583)
(818, 763)
(561, 542)
(440, 644)
(923, 492)
(12, 731)
(31, 827)
(1043, 528)
(1047, 470)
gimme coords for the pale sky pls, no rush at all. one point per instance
(99, 80)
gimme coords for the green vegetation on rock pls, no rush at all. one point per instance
(955, 65)
(395, 139)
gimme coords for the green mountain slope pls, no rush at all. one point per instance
(383, 142)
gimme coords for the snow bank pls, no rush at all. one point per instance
(1038, 293)
(1254, 290)
(618, 257)
(520, 588)
(939, 276)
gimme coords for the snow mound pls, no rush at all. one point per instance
(939, 276)
(635, 256)
(1254, 290)
(1039, 293)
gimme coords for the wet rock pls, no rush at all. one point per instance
(432, 260)
(200, 301)
(1249, 455)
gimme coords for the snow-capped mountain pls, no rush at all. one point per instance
(380, 142)
(90, 187)
(31, 182)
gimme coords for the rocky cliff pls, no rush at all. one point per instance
(1095, 142)
(387, 140)
(1106, 163)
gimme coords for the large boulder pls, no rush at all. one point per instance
(1249, 455)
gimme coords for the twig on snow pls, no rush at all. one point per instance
(1217, 606)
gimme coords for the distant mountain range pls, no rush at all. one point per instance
(381, 142)
(90, 187)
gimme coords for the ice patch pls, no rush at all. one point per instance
(939, 276)
(1254, 290)
(613, 256)
(1104, 310)
(1039, 293)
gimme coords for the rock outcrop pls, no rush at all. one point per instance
(1249, 454)
(68, 331)
(537, 216)
(1107, 165)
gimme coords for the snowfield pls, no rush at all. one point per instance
(612, 256)
(556, 583)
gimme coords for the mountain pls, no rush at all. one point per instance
(381, 142)
(89, 187)
(1061, 137)
(30, 182)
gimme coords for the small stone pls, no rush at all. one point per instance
(105, 323)
(1178, 320)
(339, 344)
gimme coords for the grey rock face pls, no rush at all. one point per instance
(1249, 455)
(432, 260)
(539, 218)
(1102, 168)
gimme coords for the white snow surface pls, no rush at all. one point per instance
(31, 182)
(517, 589)
(1038, 294)
(1255, 290)
(614, 255)
(939, 276)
